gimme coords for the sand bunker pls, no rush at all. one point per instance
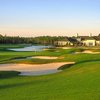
(65, 47)
(37, 69)
(44, 57)
(88, 51)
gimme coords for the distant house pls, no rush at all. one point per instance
(89, 41)
(97, 38)
(64, 42)
(79, 41)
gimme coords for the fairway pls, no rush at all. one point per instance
(79, 81)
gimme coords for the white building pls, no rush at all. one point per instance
(64, 42)
(89, 42)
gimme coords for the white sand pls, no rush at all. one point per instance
(88, 52)
(91, 52)
(37, 69)
(44, 57)
(64, 47)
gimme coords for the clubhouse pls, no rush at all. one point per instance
(79, 41)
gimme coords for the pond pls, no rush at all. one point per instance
(31, 48)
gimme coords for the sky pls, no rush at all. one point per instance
(49, 17)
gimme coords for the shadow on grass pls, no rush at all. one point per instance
(65, 66)
(87, 61)
(71, 65)
(14, 85)
(8, 74)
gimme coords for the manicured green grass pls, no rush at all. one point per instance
(4, 47)
(80, 82)
(12, 45)
(7, 57)
(77, 82)
(63, 56)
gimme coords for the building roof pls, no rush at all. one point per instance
(73, 40)
(70, 39)
(86, 38)
(97, 38)
(89, 38)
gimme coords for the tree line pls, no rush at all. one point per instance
(44, 40)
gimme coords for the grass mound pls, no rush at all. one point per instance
(65, 66)
(7, 74)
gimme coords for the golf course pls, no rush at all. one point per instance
(77, 78)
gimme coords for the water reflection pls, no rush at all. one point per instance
(31, 48)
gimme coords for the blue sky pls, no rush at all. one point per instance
(49, 17)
